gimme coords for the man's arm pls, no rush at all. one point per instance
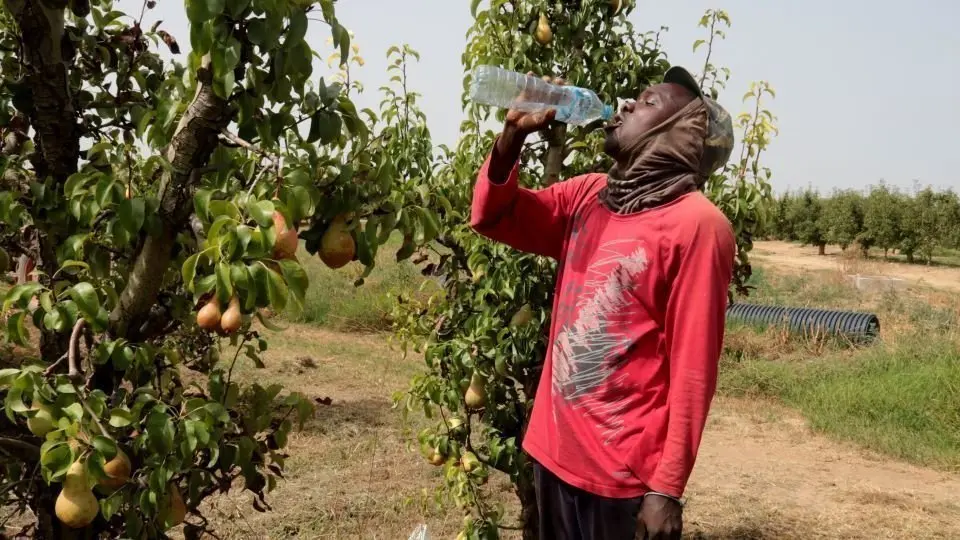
(694, 326)
(534, 221)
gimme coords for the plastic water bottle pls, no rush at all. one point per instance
(502, 88)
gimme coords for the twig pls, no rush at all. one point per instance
(230, 137)
(197, 226)
(24, 448)
(73, 352)
(232, 364)
(53, 367)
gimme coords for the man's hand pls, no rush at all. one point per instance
(661, 517)
(518, 126)
(525, 123)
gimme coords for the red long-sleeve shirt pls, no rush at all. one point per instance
(636, 333)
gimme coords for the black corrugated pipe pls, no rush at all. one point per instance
(852, 325)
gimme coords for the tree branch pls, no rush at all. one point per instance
(73, 352)
(193, 142)
(21, 449)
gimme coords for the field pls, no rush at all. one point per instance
(808, 438)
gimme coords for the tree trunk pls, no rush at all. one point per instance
(821, 249)
(49, 106)
(556, 151)
(527, 494)
(189, 151)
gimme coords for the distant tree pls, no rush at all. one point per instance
(782, 228)
(951, 219)
(842, 218)
(805, 215)
(927, 223)
(882, 218)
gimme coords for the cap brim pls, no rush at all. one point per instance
(679, 75)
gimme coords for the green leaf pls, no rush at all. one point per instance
(86, 299)
(298, 26)
(329, 126)
(276, 290)
(160, 432)
(430, 223)
(199, 11)
(261, 212)
(105, 446)
(224, 284)
(120, 418)
(341, 38)
(201, 203)
(474, 4)
(267, 323)
(296, 279)
(74, 411)
(131, 214)
(189, 270)
(111, 505)
(56, 459)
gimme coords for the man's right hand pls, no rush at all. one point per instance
(524, 123)
(518, 125)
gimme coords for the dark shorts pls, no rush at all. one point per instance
(569, 513)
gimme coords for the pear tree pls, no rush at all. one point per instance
(484, 338)
(162, 208)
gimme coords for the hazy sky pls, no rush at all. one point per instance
(866, 90)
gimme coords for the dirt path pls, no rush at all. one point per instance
(780, 254)
(762, 474)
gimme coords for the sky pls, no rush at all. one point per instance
(866, 90)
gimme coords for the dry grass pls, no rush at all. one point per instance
(762, 472)
(351, 473)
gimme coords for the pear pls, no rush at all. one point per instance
(42, 422)
(208, 317)
(117, 470)
(232, 318)
(76, 506)
(337, 247)
(287, 241)
(436, 458)
(174, 511)
(476, 395)
(543, 34)
(469, 462)
(522, 317)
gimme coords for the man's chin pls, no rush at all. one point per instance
(611, 144)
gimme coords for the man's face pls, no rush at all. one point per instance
(653, 106)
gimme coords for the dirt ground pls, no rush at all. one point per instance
(783, 254)
(761, 474)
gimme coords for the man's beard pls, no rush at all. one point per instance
(611, 144)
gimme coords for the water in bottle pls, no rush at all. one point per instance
(499, 87)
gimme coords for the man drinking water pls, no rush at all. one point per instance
(645, 262)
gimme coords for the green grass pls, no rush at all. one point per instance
(900, 397)
(903, 401)
(333, 301)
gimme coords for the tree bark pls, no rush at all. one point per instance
(821, 249)
(556, 151)
(189, 152)
(529, 515)
(48, 103)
